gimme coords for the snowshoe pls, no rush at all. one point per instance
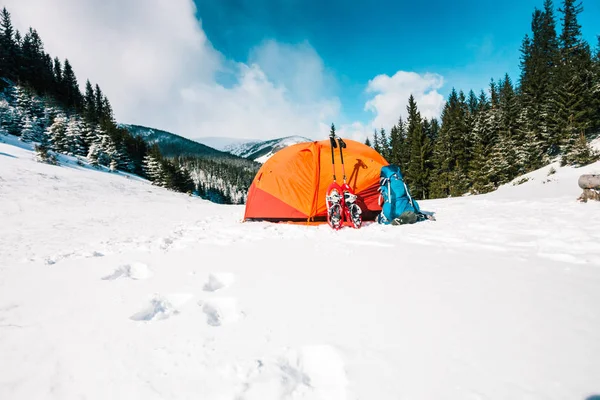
(334, 209)
(353, 210)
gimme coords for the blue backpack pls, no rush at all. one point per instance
(395, 199)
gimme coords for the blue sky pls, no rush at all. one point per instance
(262, 69)
(467, 42)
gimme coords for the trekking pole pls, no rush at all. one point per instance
(342, 146)
(333, 146)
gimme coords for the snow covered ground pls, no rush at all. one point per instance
(111, 288)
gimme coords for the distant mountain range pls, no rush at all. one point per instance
(172, 145)
(222, 143)
(261, 151)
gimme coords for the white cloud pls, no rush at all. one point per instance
(298, 67)
(392, 93)
(356, 131)
(156, 65)
(390, 98)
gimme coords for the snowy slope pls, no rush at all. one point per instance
(111, 288)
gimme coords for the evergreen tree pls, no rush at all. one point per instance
(32, 61)
(532, 154)
(511, 140)
(440, 185)
(107, 117)
(122, 159)
(58, 77)
(574, 105)
(376, 143)
(434, 130)
(32, 131)
(98, 103)
(399, 145)
(42, 151)
(430, 131)
(484, 138)
(8, 46)
(570, 37)
(384, 144)
(580, 153)
(473, 103)
(106, 147)
(153, 167)
(88, 134)
(368, 142)
(416, 174)
(57, 134)
(74, 139)
(539, 62)
(395, 146)
(89, 102)
(23, 101)
(93, 155)
(72, 95)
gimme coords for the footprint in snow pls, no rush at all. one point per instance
(221, 310)
(136, 271)
(217, 281)
(162, 307)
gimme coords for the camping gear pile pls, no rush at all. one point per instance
(295, 185)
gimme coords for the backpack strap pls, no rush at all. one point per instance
(420, 215)
(382, 182)
(410, 200)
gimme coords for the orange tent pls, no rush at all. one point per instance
(291, 185)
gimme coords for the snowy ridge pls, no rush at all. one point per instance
(223, 143)
(173, 145)
(113, 288)
(262, 151)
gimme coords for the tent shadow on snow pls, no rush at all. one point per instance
(291, 185)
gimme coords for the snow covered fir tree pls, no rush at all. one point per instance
(485, 140)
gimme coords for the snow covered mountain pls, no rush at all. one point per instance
(261, 151)
(222, 143)
(112, 288)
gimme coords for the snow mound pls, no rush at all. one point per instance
(135, 271)
(217, 281)
(162, 307)
(306, 373)
(315, 370)
(220, 310)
